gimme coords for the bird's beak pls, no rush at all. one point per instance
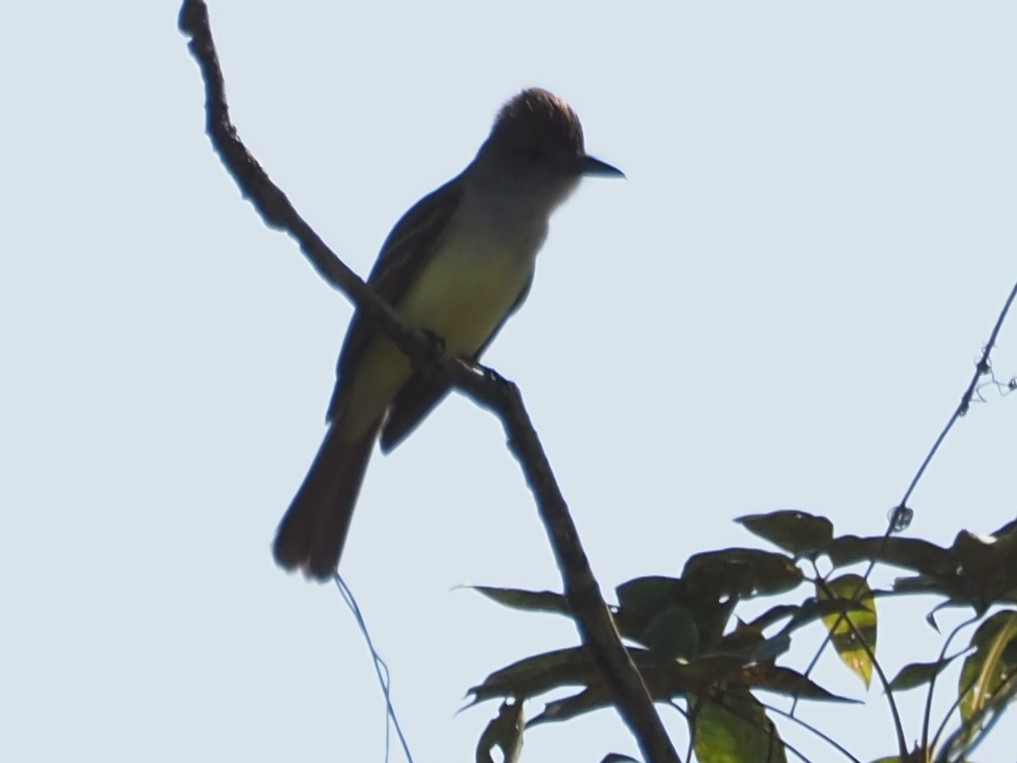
(592, 166)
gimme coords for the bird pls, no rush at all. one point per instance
(457, 265)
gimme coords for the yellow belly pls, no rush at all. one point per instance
(461, 296)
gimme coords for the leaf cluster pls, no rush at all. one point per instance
(695, 653)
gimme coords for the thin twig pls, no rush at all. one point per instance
(927, 716)
(380, 669)
(809, 727)
(902, 514)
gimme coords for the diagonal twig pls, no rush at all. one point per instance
(902, 514)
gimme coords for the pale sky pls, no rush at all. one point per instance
(778, 309)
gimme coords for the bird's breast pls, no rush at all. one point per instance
(462, 293)
(468, 287)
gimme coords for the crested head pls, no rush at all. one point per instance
(539, 121)
(536, 150)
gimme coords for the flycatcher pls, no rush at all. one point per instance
(458, 264)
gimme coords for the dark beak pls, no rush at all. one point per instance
(592, 166)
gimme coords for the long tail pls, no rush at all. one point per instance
(313, 531)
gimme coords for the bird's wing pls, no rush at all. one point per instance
(406, 251)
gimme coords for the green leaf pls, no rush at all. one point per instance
(741, 572)
(908, 553)
(566, 708)
(916, 674)
(529, 601)
(505, 731)
(672, 634)
(648, 595)
(535, 675)
(732, 727)
(987, 670)
(797, 532)
(853, 633)
(643, 600)
(787, 682)
(988, 567)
